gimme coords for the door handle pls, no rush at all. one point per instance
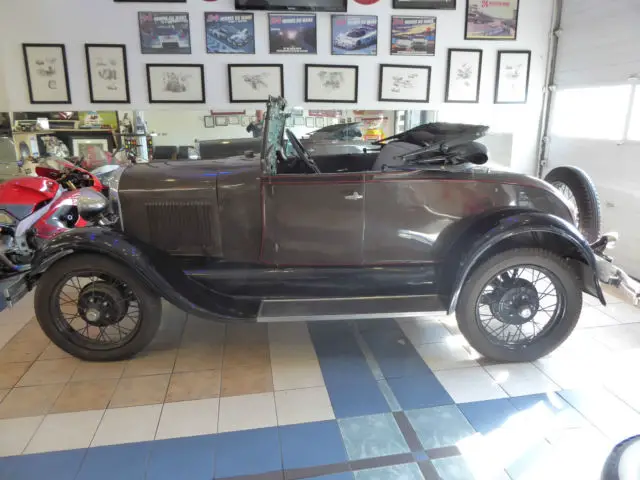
(353, 196)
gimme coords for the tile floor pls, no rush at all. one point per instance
(406, 399)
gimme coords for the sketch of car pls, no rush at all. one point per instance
(358, 37)
(256, 81)
(232, 36)
(331, 80)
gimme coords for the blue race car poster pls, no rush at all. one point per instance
(413, 35)
(164, 32)
(230, 32)
(354, 35)
(292, 33)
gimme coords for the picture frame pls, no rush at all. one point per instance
(425, 4)
(293, 33)
(254, 83)
(175, 83)
(404, 83)
(404, 38)
(221, 120)
(164, 33)
(245, 121)
(221, 27)
(208, 121)
(80, 145)
(309, 122)
(234, 120)
(47, 73)
(354, 35)
(331, 83)
(485, 21)
(107, 72)
(319, 122)
(464, 85)
(512, 76)
(298, 121)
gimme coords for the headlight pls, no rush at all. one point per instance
(6, 219)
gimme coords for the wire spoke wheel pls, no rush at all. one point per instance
(568, 194)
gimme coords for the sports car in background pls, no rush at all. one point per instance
(232, 36)
(359, 37)
(168, 37)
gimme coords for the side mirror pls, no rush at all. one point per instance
(91, 204)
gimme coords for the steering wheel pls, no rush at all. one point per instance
(301, 152)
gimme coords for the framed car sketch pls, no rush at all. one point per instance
(254, 83)
(292, 33)
(164, 32)
(331, 83)
(309, 122)
(234, 120)
(404, 83)
(491, 20)
(413, 35)
(107, 73)
(512, 76)
(464, 71)
(208, 121)
(230, 32)
(47, 72)
(221, 121)
(175, 83)
(426, 4)
(354, 35)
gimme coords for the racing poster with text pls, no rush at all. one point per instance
(354, 35)
(413, 35)
(164, 32)
(229, 32)
(292, 33)
(492, 20)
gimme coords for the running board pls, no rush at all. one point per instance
(315, 309)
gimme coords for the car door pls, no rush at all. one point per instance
(313, 220)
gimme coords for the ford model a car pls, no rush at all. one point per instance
(418, 226)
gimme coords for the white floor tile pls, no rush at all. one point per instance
(128, 425)
(246, 412)
(618, 337)
(422, 331)
(470, 384)
(591, 317)
(65, 431)
(590, 300)
(622, 312)
(15, 434)
(521, 379)
(304, 405)
(568, 373)
(187, 419)
(447, 356)
(294, 352)
(289, 333)
(294, 375)
(19, 314)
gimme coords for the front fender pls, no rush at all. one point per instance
(509, 227)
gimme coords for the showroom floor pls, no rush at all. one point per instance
(365, 400)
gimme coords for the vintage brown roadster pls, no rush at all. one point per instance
(420, 225)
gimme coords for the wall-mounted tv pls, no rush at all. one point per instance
(293, 5)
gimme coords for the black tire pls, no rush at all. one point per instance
(47, 307)
(586, 197)
(611, 469)
(485, 272)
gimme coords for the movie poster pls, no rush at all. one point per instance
(354, 35)
(292, 33)
(492, 20)
(229, 32)
(413, 35)
(164, 32)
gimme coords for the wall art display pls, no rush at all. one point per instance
(331, 83)
(298, 121)
(234, 120)
(47, 73)
(426, 4)
(463, 76)
(164, 32)
(230, 32)
(254, 82)
(404, 83)
(354, 35)
(208, 121)
(245, 121)
(107, 72)
(319, 122)
(491, 20)
(512, 76)
(85, 148)
(292, 33)
(175, 83)
(309, 122)
(413, 35)
(222, 121)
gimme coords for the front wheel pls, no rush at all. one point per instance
(96, 309)
(519, 305)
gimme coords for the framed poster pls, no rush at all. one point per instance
(245, 121)
(404, 83)
(354, 35)
(164, 32)
(221, 121)
(331, 83)
(230, 32)
(175, 83)
(85, 147)
(512, 76)
(234, 120)
(463, 76)
(426, 4)
(309, 122)
(254, 82)
(292, 33)
(298, 121)
(319, 122)
(47, 72)
(208, 121)
(107, 72)
(491, 20)
(413, 35)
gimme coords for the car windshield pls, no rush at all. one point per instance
(273, 134)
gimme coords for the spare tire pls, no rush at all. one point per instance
(577, 187)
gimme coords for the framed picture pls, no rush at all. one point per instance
(175, 83)
(319, 122)
(164, 32)
(404, 83)
(221, 121)
(233, 120)
(47, 72)
(253, 83)
(512, 76)
(413, 35)
(491, 20)
(208, 122)
(426, 4)
(107, 72)
(82, 147)
(309, 122)
(292, 33)
(354, 35)
(331, 83)
(463, 76)
(298, 121)
(230, 32)
(245, 120)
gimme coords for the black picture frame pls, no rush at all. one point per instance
(484, 39)
(123, 48)
(452, 51)
(310, 99)
(425, 4)
(496, 95)
(230, 68)
(200, 66)
(417, 67)
(63, 54)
